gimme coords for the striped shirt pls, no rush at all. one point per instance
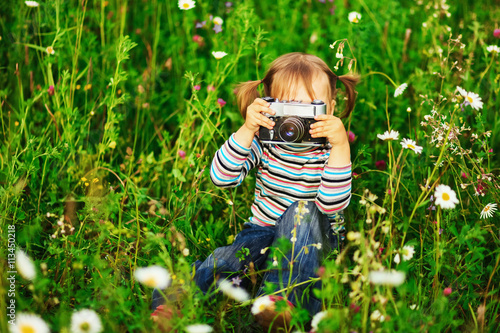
(286, 173)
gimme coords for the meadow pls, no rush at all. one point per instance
(111, 113)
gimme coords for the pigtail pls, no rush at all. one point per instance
(350, 81)
(246, 93)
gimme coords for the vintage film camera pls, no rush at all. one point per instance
(292, 122)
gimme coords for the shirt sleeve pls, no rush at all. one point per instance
(334, 192)
(232, 162)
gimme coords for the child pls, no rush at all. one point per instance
(300, 190)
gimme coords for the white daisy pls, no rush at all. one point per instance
(217, 20)
(473, 98)
(493, 49)
(25, 265)
(199, 328)
(153, 276)
(400, 89)
(186, 4)
(392, 278)
(410, 144)
(407, 252)
(318, 317)
(236, 293)
(26, 322)
(354, 17)
(445, 197)
(85, 321)
(488, 210)
(392, 135)
(261, 304)
(219, 54)
(31, 3)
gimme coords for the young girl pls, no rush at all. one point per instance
(300, 191)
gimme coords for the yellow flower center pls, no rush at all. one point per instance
(470, 99)
(85, 327)
(27, 329)
(446, 196)
(151, 282)
(411, 146)
(185, 5)
(487, 208)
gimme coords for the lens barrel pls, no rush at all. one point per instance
(292, 129)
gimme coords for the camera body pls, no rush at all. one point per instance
(292, 122)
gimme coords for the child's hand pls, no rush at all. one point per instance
(331, 128)
(255, 118)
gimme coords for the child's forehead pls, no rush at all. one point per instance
(317, 86)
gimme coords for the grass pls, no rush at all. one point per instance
(119, 150)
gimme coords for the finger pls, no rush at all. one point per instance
(264, 121)
(324, 117)
(260, 101)
(321, 131)
(261, 109)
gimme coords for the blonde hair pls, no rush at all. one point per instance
(289, 69)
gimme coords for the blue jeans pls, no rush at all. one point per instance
(314, 228)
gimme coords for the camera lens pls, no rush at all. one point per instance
(292, 130)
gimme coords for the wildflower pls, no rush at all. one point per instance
(496, 33)
(185, 252)
(391, 278)
(228, 4)
(199, 328)
(354, 17)
(352, 235)
(87, 87)
(410, 144)
(51, 91)
(112, 144)
(397, 258)
(182, 154)
(153, 276)
(261, 304)
(317, 245)
(236, 293)
(339, 55)
(31, 3)
(218, 21)
(217, 28)
(197, 87)
(293, 239)
(351, 136)
(219, 54)
(392, 135)
(210, 88)
(264, 250)
(447, 291)
(275, 262)
(445, 197)
(400, 89)
(318, 317)
(221, 102)
(493, 49)
(413, 306)
(471, 98)
(186, 4)
(408, 252)
(25, 265)
(27, 322)
(85, 321)
(377, 316)
(236, 281)
(488, 210)
(381, 165)
(200, 24)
